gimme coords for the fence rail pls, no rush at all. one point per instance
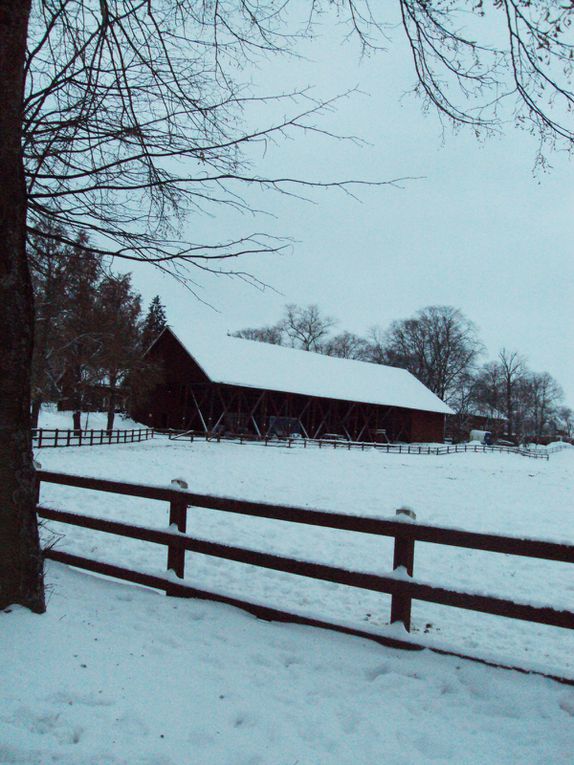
(55, 437)
(403, 589)
(342, 443)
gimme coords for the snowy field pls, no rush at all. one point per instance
(131, 676)
(501, 493)
(51, 418)
(119, 675)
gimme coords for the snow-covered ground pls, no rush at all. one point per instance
(119, 675)
(116, 674)
(501, 493)
(51, 418)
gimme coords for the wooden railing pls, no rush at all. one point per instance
(399, 583)
(54, 437)
(341, 443)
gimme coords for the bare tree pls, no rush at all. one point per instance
(272, 335)
(119, 115)
(305, 327)
(347, 345)
(376, 345)
(439, 345)
(21, 564)
(118, 317)
(463, 402)
(543, 397)
(301, 327)
(488, 392)
(512, 370)
(473, 80)
(565, 419)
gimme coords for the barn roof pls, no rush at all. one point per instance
(251, 364)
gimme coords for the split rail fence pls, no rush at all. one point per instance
(54, 437)
(328, 443)
(399, 583)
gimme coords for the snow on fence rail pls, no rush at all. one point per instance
(342, 443)
(52, 437)
(399, 584)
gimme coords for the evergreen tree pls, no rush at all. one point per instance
(154, 322)
(81, 340)
(49, 273)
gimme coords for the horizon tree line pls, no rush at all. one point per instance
(441, 347)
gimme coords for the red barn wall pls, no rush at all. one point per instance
(174, 404)
(427, 427)
(165, 407)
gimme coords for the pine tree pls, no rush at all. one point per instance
(154, 322)
(80, 336)
(48, 258)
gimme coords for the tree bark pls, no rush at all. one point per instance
(111, 411)
(21, 562)
(35, 412)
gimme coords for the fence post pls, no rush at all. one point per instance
(404, 555)
(37, 466)
(177, 517)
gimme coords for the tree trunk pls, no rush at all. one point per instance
(111, 410)
(77, 419)
(35, 414)
(21, 562)
(509, 417)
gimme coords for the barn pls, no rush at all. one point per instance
(235, 386)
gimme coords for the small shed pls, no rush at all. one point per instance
(233, 385)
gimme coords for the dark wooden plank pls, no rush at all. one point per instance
(176, 553)
(387, 584)
(403, 557)
(434, 534)
(115, 487)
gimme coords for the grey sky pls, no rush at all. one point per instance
(475, 229)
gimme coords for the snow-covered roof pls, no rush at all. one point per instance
(251, 364)
(488, 413)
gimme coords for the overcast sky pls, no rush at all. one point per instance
(474, 228)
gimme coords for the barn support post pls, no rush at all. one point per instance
(404, 555)
(252, 414)
(365, 417)
(198, 408)
(323, 418)
(301, 414)
(344, 419)
(265, 417)
(177, 518)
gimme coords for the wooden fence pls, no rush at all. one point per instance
(52, 437)
(341, 443)
(399, 584)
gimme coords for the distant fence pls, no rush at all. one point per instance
(54, 437)
(342, 443)
(399, 584)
